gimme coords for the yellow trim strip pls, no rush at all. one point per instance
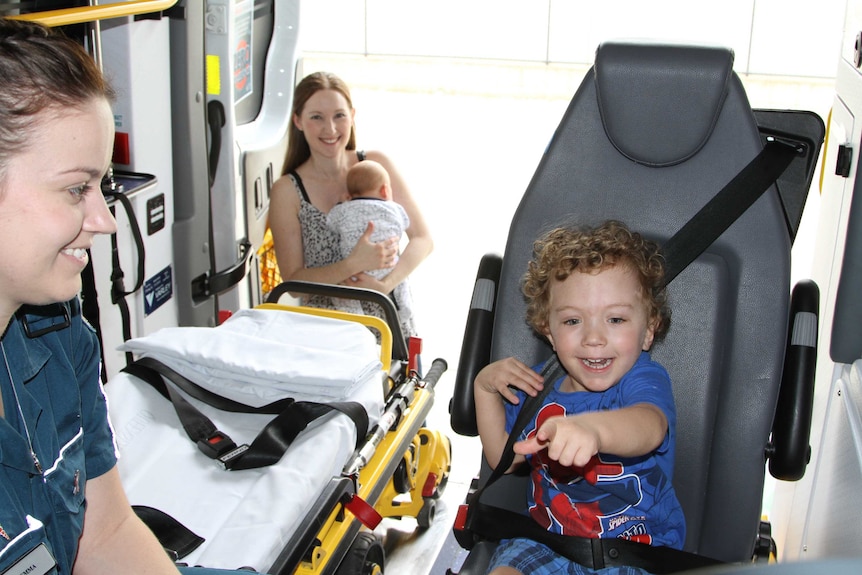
(66, 16)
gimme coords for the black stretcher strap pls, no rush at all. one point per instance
(176, 539)
(291, 417)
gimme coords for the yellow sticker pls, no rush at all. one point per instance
(213, 75)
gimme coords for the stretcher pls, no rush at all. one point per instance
(313, 510)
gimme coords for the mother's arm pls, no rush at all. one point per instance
(420, 243)
(287, 239)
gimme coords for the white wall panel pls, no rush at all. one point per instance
(486, 29)
(769, 37)
(796, 37)
(578, 27)
(332, 26)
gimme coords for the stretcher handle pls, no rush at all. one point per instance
(438, 367)
(399, 343)
(396, 403)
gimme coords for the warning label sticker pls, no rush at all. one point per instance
(157, 290)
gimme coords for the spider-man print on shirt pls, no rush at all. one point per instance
(629, 497)
(600, 493)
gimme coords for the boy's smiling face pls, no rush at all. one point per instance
(598, 325)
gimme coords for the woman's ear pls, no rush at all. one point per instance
(296, 122)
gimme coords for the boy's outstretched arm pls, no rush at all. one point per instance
(490, 390)
(573, 440)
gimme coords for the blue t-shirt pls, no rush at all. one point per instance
(630, 498)
(56, 379)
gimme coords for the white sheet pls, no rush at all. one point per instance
(247, 516)
(258, 355)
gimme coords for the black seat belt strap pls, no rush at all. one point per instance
(495, 523)
(292, 417)
(726, 206)
(551, 372)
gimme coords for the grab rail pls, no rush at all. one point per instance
(67, 16)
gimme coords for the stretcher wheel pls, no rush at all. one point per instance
(426, 515)
(365, 557)
(401, 478)
(441, 487)
(404, 478)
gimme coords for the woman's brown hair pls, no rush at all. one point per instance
(41, 69)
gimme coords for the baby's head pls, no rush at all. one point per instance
(591, 250)
(368, 179)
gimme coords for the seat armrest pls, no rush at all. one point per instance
(789, 448)
(476, 347)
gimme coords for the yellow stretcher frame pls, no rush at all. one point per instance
(423, 457)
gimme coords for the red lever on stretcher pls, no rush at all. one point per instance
(366, 514)
(414, 348)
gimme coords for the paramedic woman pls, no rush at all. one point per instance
(321, 149)
(62, 508)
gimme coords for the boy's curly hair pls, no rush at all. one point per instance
(565, 250)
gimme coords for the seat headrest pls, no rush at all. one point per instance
(660, 102)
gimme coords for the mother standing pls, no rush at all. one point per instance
(321, 149)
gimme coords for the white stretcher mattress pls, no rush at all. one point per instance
(246, 517)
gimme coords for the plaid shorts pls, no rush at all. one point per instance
(532, 558)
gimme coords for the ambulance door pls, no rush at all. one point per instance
(233, 71)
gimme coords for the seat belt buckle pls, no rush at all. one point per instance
(462, 529)
(216, 445)
(220, 447)
(227, 460)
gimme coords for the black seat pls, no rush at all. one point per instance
(653, 132)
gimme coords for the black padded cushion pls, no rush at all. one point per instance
(659, 111)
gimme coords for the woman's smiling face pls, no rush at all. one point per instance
(599, 324)
(51, 205)
(326, 120)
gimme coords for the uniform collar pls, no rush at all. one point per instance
(26, 358)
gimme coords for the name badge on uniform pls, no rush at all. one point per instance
(38, 561)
